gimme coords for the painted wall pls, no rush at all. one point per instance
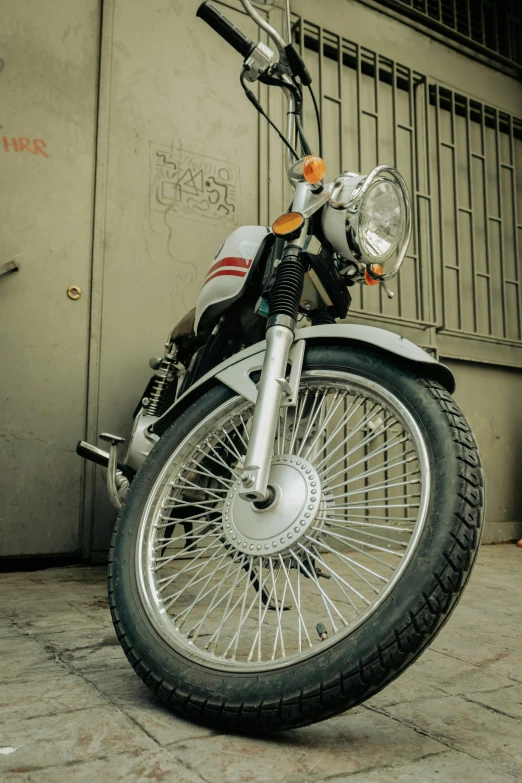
(491, 398)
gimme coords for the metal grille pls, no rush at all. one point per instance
(369, 111)
(489, 26)
(479, 215)
(462, 161)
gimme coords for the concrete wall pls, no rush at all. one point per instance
(491, 398)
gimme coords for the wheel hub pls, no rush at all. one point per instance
(276, 528)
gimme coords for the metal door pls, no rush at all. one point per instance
(48, 79)
(178, 170)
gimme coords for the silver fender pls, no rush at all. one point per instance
(236, 371)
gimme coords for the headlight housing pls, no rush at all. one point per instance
(368, 218)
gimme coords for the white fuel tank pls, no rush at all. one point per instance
(228, 273)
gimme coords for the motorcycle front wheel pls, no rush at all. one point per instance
(253, 618)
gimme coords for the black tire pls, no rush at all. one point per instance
(379, 650)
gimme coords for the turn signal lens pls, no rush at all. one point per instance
(377, 270)
(288, 223)
(314, 169)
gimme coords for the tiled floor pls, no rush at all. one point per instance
(72, 709)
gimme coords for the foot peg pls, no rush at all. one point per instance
(112, 488)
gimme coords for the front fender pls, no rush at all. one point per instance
(236, 371)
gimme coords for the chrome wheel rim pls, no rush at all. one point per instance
(248, 589)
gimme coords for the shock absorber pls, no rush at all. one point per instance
(287, 289)
(165, 375)
(282, 317)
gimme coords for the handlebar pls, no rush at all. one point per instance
(226, 29)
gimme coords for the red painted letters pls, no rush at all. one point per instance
(23, 143)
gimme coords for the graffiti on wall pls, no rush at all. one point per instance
(22, 143)
(193, 186)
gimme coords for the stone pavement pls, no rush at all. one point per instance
(72, 710)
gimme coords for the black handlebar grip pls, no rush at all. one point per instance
(226, 29)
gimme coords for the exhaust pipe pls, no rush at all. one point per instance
(100, 457)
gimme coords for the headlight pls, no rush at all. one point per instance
(368, 218)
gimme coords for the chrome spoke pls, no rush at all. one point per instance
(368, 457)
(169, 600)
(316, 408)
(340, 582)
(349, 522)
(213, 605)
(170, 520)
(348, 562)
(367, 473)
(169, 558)
(297, 420)
(200, 472)
(227, 611)
(278, 612)
(324, 424)
(297, 602)
(203, 592)
(261, 619)
(235, 638)
(162, 542)
(351, 433)
(310, 572)
(208, 491)
(385, 485)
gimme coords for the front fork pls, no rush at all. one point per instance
(284, 305)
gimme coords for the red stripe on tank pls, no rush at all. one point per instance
(222, 272)
(243, 263)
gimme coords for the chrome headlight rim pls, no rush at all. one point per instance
(352, 205)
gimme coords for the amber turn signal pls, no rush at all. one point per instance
(314, 169)
(377, 270)
(289, 223)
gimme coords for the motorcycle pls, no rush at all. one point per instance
(301, 500)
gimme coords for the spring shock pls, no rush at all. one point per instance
(287, 289)
(165, 375)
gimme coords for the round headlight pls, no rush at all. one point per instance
(381, 220)
(368, 219)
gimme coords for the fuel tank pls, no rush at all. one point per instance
(228, 273)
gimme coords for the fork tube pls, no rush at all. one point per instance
(261, 442)
(284, 304)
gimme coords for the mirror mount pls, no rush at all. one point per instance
(269, 30)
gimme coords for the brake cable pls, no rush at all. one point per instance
(318, 118)
(304, 144)
(253, 100)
